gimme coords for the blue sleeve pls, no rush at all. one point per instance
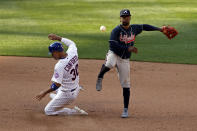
(117, 45)
(114, 40)
(137, 29)
(147, 27)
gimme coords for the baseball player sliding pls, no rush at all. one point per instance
(65, 78)
(121, 46)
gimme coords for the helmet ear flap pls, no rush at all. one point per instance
(50, 49)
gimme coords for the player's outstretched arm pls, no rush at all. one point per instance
(169, 31)
(147, 27)
(42, 94)
(66, 41)
(54, 37)
(133, 49)
(71, 45)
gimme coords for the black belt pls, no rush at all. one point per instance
(73, 89)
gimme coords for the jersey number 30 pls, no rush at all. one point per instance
(74, 72)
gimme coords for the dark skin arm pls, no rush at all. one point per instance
(42, 94)
(127, 19)
(132, 49)
(54, 37)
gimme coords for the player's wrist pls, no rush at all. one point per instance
(59, 38)
(161, 29)
(130, 48)
(54, 87)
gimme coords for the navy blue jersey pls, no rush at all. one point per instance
(121, 39)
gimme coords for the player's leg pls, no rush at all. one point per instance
(55, 106)
(126, 97)
(111, 59)
(103, 70)
(123, 67)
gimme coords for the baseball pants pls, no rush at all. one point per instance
(122, 66)
(63, 98)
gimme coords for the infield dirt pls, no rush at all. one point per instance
(164, 97)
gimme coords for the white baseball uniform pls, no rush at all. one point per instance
(66, 74)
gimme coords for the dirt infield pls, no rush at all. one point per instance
(164, 97)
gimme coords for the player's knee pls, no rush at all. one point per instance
(110, 65)
(125, 85)
(48, 111)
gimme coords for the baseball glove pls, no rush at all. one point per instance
(169, 31)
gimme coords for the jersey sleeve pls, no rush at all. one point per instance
(114, 40)
(114, 35)
(58, 73)
(137, 29)
(147, 27)
(72, 49)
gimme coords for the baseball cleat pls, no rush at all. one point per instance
(52, 95)
(99, 84)
(81, 88)
(82, 112)
(125, 113)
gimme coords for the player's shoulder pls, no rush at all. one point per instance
(136, 25)
(61, 63)
(116, 29)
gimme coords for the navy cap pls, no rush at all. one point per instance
(125, 12)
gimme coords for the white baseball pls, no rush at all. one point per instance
(103, 28)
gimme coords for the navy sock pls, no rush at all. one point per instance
(126, 96)
(104, 69)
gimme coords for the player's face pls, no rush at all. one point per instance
(125, 20)
(55, 55)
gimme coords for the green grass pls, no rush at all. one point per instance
(25, 24)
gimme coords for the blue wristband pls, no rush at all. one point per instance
(54, 87)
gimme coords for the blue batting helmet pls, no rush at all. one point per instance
(56, 47)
